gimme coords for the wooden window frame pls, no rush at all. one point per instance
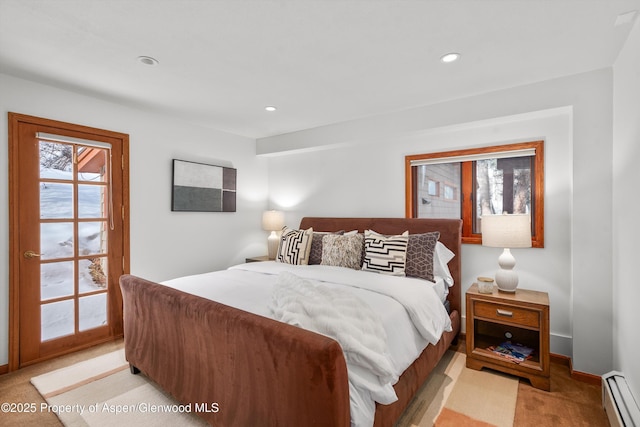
(466, 184)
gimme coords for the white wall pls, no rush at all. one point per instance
(164, 244)
(356, 168)
(363, 175)
(626, 205)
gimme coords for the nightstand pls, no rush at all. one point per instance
(522, 315)
(258, 258)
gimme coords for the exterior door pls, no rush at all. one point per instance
(69, 237)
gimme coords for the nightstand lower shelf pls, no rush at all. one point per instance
(529, 369)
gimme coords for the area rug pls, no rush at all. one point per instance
(102, 392)
(456, 396)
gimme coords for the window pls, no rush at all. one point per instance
(450, 192)
(475, 182)
(433, 188)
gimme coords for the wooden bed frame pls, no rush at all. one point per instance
(240, 369)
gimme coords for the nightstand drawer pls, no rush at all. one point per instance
(507, 313)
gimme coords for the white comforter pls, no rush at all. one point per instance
(341, 315)
(410, 311)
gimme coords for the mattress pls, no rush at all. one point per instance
(250, 286)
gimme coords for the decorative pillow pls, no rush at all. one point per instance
(420, 254)
(294, 246)
(342, 250)
(385, 254)
(315, 256)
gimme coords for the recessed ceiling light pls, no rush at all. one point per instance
(147, 60)
(450, 57)
(270, 108)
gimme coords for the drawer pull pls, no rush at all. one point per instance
(504, 313)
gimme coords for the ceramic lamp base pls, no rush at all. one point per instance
(272, 244)
(506, 278)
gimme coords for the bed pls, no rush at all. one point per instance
(236, 368)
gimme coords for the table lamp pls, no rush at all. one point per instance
(506, 231)
(272, 221)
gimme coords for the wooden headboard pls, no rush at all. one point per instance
(450, 232)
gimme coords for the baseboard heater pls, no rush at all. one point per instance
(618, 401)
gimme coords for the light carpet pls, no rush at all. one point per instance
(102, 392)
(456, 396)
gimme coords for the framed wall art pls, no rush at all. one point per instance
(199, 187)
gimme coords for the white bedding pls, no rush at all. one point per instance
(410, 310)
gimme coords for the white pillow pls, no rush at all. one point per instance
(441, 258)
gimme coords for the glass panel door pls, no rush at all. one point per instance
(67, 248)
(74, 255)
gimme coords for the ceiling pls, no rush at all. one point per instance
(319, 62)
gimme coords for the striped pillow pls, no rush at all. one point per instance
(385, 254)
(294, 246)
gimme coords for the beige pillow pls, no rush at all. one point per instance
(294, 246)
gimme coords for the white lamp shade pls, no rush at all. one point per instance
(272, 220)
(506, 231)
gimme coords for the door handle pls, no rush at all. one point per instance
(31, 254)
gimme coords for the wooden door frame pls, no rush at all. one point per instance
(14, 119)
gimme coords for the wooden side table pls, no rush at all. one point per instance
(521, 317)
(258, 258)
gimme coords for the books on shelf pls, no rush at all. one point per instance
(514, 352)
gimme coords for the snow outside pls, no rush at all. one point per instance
(56, 241)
